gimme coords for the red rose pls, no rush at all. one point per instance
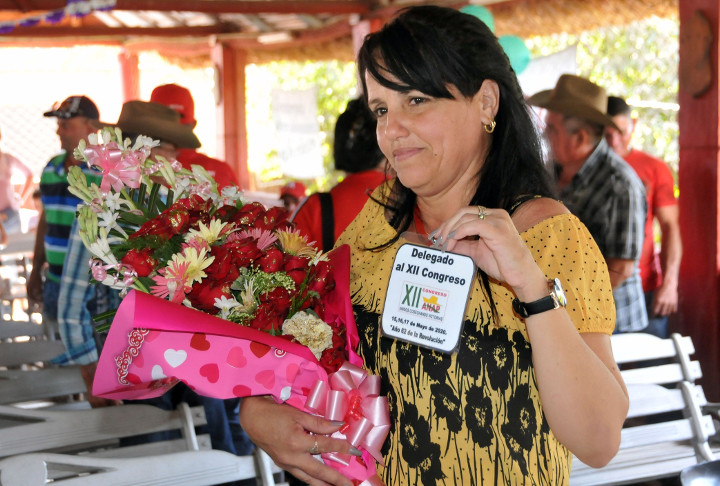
(247, 214)
(224, 269)
(321, 278)
(332, 359)
(226, 213)
(267, 319)
(203, 295)
(271, 261)
(244, 252)
(194, 203)
(273, 218)
(296, 267)
(152, 227)
(140, 260)
(177, 221)
(279, 298)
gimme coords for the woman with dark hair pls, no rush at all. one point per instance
(532, 379)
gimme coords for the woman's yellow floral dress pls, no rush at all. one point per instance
(474, 416)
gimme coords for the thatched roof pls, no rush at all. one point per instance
(546, 17)
(314, 29)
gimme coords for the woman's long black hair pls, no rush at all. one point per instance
(428, 48)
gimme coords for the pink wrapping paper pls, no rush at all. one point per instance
(154, 343)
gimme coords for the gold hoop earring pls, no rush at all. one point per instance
(490, 127)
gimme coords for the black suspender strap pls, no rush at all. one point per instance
(328, 222)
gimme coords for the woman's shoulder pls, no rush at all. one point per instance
(537, 210)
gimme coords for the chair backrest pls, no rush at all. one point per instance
(23, 431)
(194, 468)
(20, 353)
(19, 329)
(18, 386)
(666, 428)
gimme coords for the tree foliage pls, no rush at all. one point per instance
(335, 83)
(638, 62)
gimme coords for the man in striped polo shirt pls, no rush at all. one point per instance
(598, 187)
(77, 117)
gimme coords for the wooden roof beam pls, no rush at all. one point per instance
(209, 6)
(88, 32)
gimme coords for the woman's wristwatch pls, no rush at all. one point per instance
(555, 300)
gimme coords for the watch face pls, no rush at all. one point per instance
(559, 292)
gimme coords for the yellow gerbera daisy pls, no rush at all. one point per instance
(209, 233)
(295, 244)
(197, 263)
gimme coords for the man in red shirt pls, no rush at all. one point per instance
(180, 100)
(324, 216)
(292, 194)
(659, 270)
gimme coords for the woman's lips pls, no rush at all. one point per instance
(403, 154)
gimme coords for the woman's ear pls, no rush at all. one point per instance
(489, 99)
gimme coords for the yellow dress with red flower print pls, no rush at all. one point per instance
(474, 416)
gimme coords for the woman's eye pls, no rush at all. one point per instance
(379, 112)
(416, 100)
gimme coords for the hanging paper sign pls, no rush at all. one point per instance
(427, 295)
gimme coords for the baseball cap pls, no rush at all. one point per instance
(177, 98)
(74, 106)
(295, 189)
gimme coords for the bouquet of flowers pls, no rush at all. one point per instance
(221, 294)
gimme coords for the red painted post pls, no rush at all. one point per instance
(229, 67)
(699, 312)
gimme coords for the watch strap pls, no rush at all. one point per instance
(544, 304)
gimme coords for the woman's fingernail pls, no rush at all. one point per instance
(337, 423)
(451, 235)
(433, 234)
(354, 451)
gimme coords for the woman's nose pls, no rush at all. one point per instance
(395, 126)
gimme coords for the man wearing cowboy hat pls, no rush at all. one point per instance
(159, 122)
(599, 187)
(180, 99)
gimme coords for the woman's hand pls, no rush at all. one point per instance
(490, 238)
(285, 433)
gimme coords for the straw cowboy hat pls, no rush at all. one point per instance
(575, 96)
(157, 121)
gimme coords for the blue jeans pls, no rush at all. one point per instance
(51, 292)
(657, 325)
(12, 220)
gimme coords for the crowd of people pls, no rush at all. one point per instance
(442, 145)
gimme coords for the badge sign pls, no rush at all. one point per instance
(427, 296)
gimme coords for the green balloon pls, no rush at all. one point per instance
(516, 51)
(482, 13)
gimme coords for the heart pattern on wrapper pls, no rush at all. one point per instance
(211, 372)
(199, 341)
(266, 378)
(241, 390)
(157, 373)
(175, 357)
(236, 358)
(259, 349)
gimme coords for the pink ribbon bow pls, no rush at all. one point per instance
(119, 170)
(353, 396)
